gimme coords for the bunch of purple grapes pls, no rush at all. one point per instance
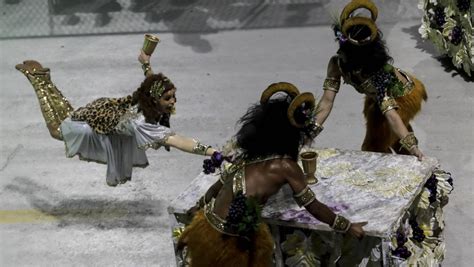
(210, 165)
(439, 16)
(401, 252)
(464, 5)
(450, 180)
(236, 209)
(432, 185)
(456, 35)
(381, 80)
(401, 239)
(418, 234)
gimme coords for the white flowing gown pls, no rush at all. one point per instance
(122, 150)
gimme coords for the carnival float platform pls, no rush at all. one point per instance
(401, 198)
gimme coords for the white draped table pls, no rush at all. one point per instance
(400, 197)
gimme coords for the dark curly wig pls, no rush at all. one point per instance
(367, 58)
(147, 104)
(265, 130)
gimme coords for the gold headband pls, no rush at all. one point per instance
(310, 127)
(356, 4)
(304, 98)
(348, 22)
(288, 88)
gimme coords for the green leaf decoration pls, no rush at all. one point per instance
(438, 40)
(388, 68)
(468, 68)
(448, 26)
(449, 10)
(397, 89)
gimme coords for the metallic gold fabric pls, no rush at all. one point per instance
(215, 221)
(54, 106)
(239, 181)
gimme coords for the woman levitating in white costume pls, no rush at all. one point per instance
(113, 131)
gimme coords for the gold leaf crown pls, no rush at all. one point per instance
(158, 87)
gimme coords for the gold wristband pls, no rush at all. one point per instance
(146, 67)
(305, 197)
(332, 84)
(200, 148)
(316, 130)
(341, 224)
(409, 141)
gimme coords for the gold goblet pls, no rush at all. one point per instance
(150, 43)
(309, 159)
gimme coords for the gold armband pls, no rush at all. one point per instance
(146, 67)
(341, 224)
(305, 197)
(332, 84)
(388, 103)
(409, 141)
(200, 148)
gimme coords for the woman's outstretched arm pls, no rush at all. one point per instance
(304, 196)
(189, 145)
(399, 128)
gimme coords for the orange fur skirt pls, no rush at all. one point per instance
(379, 136)
(209, 247)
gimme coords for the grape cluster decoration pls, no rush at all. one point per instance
(439, 17)
(381, 80)
(401, 251)
(418, 234)
(244, 215)
(432, 185)
(456, 35)
(448, 25)
(464, 5)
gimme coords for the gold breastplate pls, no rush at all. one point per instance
(368, 88)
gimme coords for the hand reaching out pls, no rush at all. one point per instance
(356, 230)
(143, 58)
(415, 151)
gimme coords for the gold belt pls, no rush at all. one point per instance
(214, 220)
